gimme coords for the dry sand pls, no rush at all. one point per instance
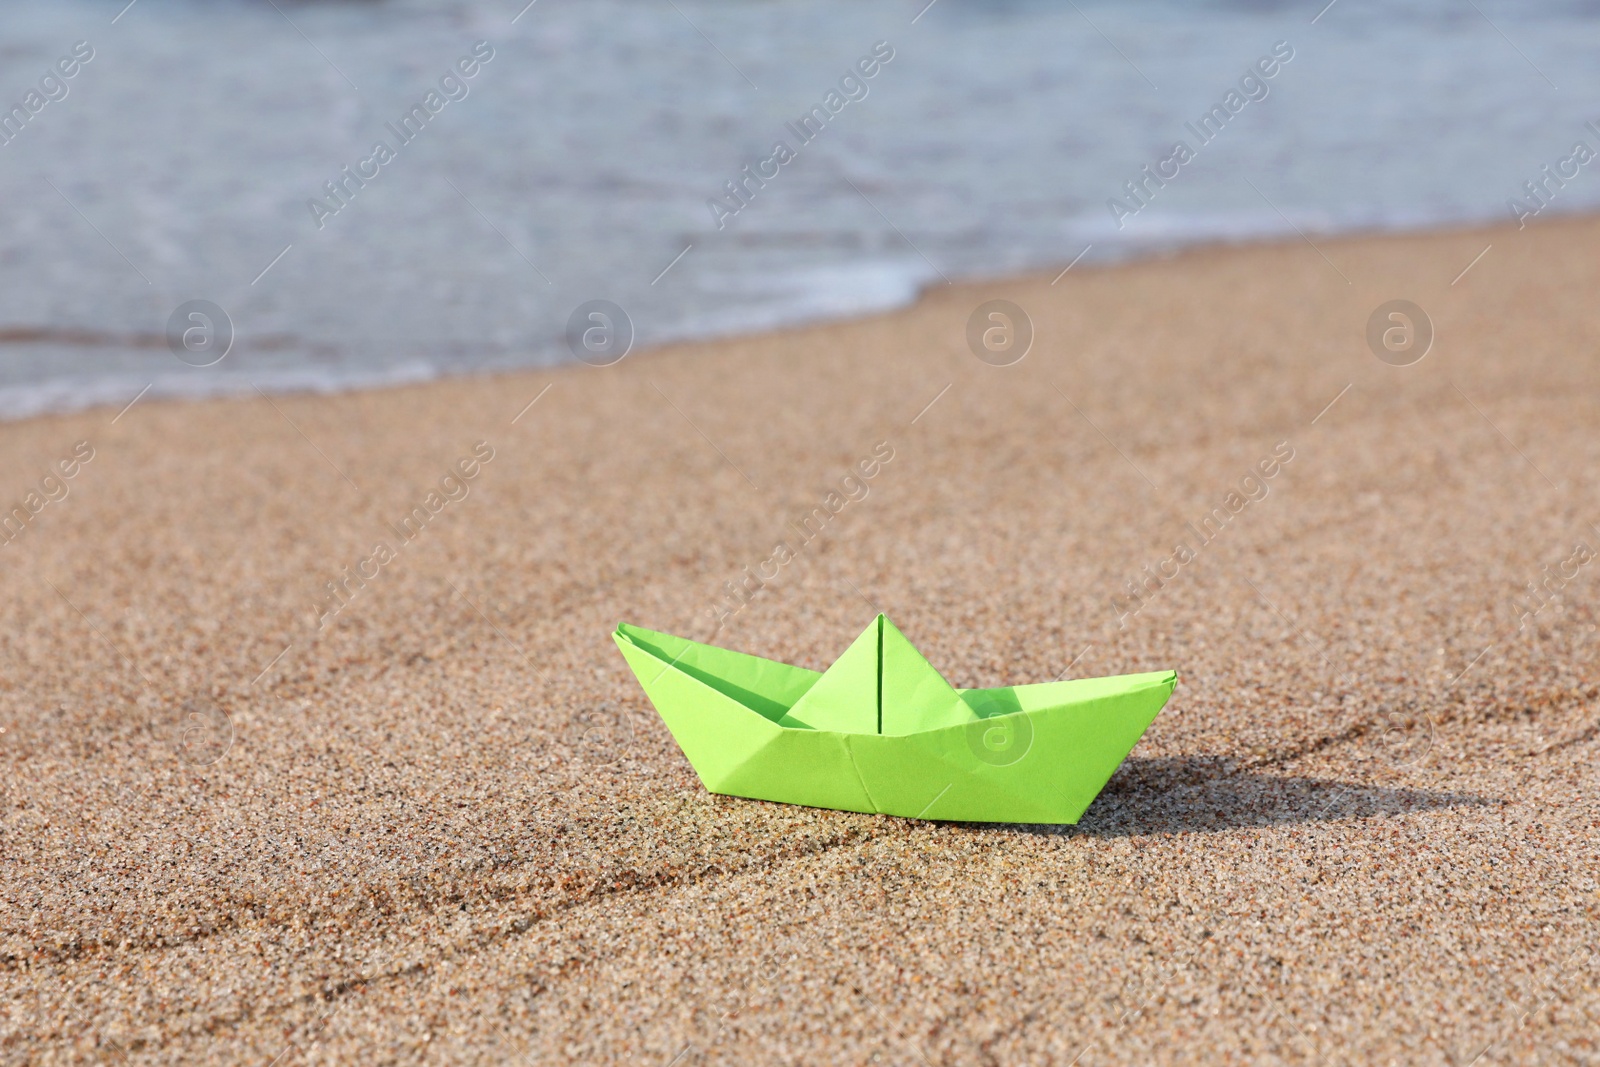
(449, 827)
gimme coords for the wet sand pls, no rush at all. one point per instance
(434, 818)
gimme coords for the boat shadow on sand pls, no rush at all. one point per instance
(1208, 794)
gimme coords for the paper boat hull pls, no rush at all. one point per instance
(1042, 758)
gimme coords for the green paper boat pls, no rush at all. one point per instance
(881, 730)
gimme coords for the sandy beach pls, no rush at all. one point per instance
(317, 749)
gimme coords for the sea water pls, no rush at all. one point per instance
(228, 152)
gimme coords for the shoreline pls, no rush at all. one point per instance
(345, 378)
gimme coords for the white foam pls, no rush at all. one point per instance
(60, 395)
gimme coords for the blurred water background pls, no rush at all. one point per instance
(179, 162)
